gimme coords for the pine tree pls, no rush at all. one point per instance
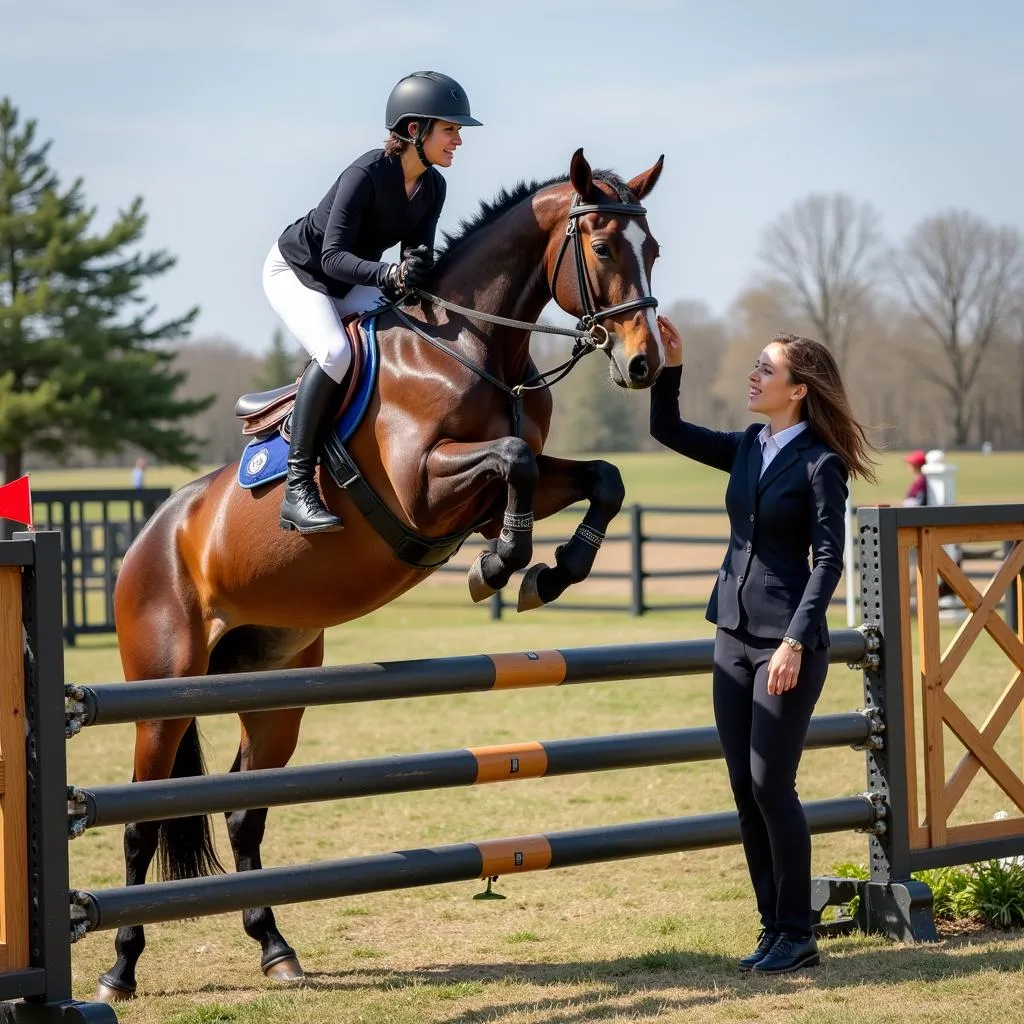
(82, 364)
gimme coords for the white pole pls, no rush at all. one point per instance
(849, 569)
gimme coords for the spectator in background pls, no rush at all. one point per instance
(138, 473)
(917, 493)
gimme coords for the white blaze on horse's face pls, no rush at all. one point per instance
(637, 353)
(636, 236)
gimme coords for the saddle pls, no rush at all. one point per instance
(264, 412)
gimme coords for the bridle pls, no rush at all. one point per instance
(592, 316)
(590, 333)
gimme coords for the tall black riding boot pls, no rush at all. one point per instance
(302, 508)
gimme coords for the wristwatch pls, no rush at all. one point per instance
(795, 644)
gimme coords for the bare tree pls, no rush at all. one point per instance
(1016, 337)
(825, 253)
(962, 278)
(222, 366)
(704, 344)
(755, 315)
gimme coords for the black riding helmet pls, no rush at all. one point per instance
(426, 96)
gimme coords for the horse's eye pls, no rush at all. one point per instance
(602, 251)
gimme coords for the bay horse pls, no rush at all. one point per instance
(450, 444)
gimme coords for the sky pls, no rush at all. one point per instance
(231, 118)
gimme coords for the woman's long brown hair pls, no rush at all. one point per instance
(826, 407)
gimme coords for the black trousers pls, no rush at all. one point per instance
(763, 739)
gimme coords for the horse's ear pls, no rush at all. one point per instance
(580, 174)
(643, 184)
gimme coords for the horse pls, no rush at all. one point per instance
(451, 443)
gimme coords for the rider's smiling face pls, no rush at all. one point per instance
(441, 143)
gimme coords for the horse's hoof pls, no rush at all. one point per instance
(286, 972)
(109, 992)
(479, 588)
(529, 596)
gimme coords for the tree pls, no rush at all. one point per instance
(755, 315)
(591, 414)
(1016, 334)
(704, 346)
(281, 364)
(82, 365)
(825, 253)
(962, 278)
(222, 366)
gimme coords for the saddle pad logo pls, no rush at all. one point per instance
(257, 462)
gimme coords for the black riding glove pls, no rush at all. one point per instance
(418, 264)
(413, 272)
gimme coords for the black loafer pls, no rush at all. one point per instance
(765, 941)
(789, 954)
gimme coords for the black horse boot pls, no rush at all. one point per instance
(302, 508)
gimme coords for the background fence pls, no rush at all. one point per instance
(96, 528)
(656, 558)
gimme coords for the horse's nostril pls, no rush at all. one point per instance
(637, 369)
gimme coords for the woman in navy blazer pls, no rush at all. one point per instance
(786, 498)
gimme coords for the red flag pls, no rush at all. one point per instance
(16, 501)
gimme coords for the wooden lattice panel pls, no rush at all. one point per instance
(937, 667)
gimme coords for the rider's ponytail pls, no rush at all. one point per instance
(394, 144)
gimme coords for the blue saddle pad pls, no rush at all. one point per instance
(265, 461)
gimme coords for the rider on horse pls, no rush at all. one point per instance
(328, 263)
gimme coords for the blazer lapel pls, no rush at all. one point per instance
(754, 460)
(786, 457)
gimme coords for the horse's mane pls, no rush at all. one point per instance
(492, 209)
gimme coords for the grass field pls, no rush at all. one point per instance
(651, 939)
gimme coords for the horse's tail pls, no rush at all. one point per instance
(186, 847)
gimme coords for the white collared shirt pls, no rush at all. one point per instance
(772, 444)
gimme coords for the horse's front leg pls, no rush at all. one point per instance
(458, 470)
(562, 483)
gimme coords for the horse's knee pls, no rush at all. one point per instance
(520, 464)
(609, 490)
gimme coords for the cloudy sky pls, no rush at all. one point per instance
(232, 117)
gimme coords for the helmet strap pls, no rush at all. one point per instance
(418, 141)
(425, 125)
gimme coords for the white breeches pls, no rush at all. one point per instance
(312, 318)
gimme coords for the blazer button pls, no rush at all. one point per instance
(751, 516)
(750, 547)
(739, 579)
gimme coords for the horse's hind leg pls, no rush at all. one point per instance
(268, 741)
(162, 749)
